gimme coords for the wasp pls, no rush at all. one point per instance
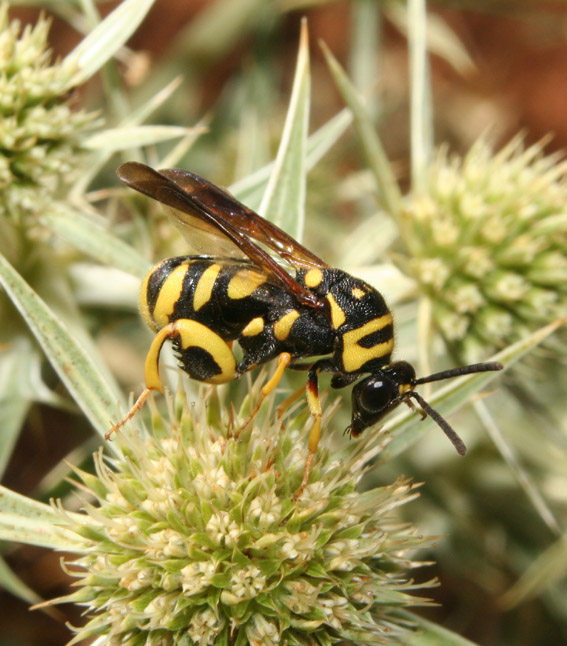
(248, 282)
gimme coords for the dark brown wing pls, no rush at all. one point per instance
(198, 205)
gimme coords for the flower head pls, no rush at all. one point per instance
(195, 538)
(489, 243)
(39, 132)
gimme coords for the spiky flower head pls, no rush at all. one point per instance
(489, 244)
(39, 132)
(194, 538)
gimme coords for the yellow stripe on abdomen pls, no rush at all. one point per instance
(169, 293)
(196, 335)
(143, 302)
(243, 284)
(205, 286)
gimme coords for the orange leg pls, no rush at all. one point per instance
(281, 409)
(419, 411)
(315, 432)
(284, 359)
(135, 408)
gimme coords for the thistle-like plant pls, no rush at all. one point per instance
(191, 535)
(41, 134)
(488, 243)
(512, 204)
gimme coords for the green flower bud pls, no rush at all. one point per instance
(489, 244)
(196, 539)
(40, 135)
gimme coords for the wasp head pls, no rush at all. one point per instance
(378, 394)
(382, 391)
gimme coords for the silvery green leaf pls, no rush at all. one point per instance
(13, 584)
(106, 39)
(284, 200)
(24, 520)
(126, 137)
(96, 241)
(76, 369)
(250, 189)
(388, 190)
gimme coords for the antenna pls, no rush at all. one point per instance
(459, 372)
(442, 423)
(447, 374)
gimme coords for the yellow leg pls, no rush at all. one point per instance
(153, 380)
(284, 359)
(281, 409)
(315, 432)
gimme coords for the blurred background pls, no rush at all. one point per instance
(236, 61)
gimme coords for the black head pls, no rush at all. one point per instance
(376, 395)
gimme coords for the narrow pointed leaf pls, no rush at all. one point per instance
(99, 286)
(441, 38)
(116, 139)
(20, 386)
(284, 200)
(133, 118)
(388, 190)
(250, 189)
(219, 26)
(365, 44)
(14, 585)
(106, 39)
(547, 569)
(74, 366)
(421, 115)
(94, 240)
(428, 633)
(24, 520)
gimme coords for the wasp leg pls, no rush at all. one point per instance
(280, 410)
(138, 405)
(419, 411)
(284, 359)
(153, 380)
(316, 413)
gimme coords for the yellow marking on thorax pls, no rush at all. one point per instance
(204, 289)
(313, 278)
(403, 388)
(243, 283)
(354, 355)
(169, 293)
(337, 315)
(254, 327)
(358, 293)
(282, 327)
(143, 302)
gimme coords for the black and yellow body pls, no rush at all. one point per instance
(215, 301)
(232, 291)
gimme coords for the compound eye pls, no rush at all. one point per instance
(376, 394)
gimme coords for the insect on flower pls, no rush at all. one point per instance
(232, 289)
